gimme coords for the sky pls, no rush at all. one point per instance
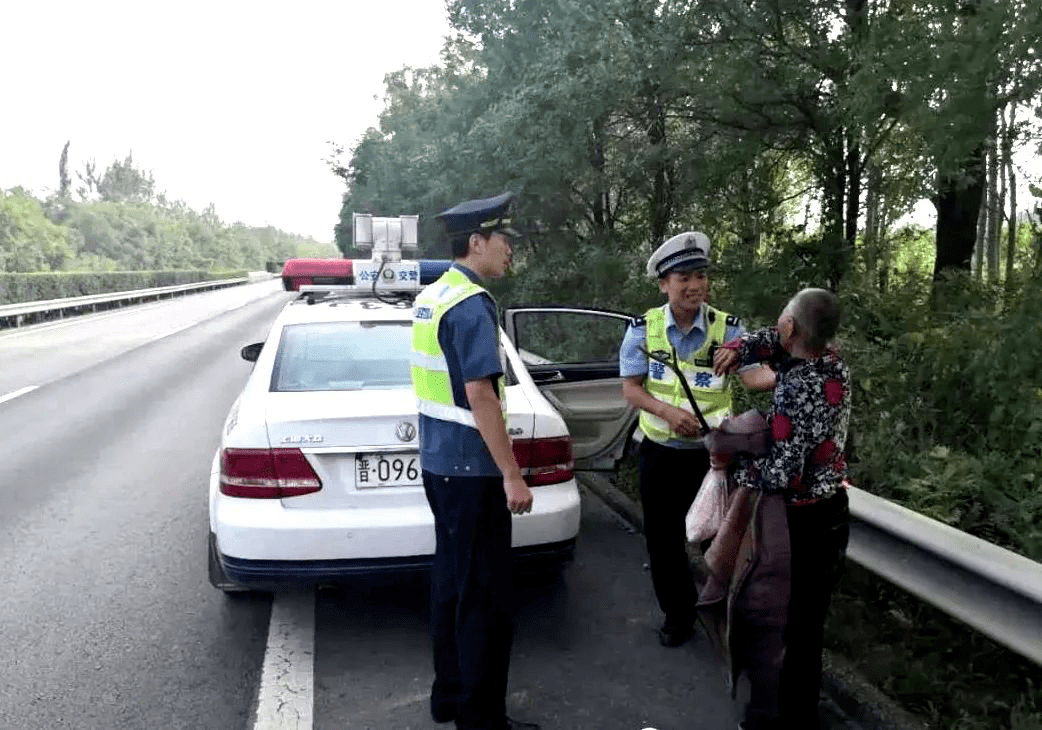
(224, 102)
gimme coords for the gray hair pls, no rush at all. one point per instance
(816, 314)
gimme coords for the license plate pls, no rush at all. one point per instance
(387, 470)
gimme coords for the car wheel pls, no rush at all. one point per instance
(218, 578)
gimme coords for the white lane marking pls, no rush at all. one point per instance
(286, 700)
(15, 393)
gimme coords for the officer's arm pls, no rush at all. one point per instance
(633, 367)
(681, 421)
(635, 394)
(488, 417)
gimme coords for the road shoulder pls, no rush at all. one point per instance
(852, 701)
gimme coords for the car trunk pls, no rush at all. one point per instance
(363, 444)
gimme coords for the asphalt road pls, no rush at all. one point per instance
(107, 617)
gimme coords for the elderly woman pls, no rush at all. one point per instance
(804, 464)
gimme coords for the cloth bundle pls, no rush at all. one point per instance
(745, 433)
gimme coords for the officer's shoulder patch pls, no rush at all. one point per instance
(733, 321)
(638, 321)
(711, 315)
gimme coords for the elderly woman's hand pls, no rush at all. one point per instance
(725, 361)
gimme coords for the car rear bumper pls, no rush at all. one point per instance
(273, 574)
(263, 531)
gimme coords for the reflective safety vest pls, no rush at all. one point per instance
(429, 369)
(710, 390)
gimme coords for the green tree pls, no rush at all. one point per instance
(122, 182)
(64, 182)
(28, 240)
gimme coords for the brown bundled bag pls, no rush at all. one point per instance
(746, 432)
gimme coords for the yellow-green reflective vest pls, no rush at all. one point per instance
(710, 391)
(429, 369)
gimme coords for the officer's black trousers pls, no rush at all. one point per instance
(669, 481)
(471, 598)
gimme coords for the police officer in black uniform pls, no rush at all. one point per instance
(472, 481)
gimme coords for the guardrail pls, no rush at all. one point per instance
(989, 588)
(994, 590)
(15, 315)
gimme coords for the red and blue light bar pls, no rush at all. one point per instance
(397, 275)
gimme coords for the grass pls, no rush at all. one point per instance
(941, 671)
(937, 668)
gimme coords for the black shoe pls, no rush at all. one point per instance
(443, 712)
(513, 724)
(673, 636)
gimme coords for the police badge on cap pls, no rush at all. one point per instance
(684, 252)
(487, 215)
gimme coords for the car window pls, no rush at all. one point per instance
(544, 336)
(343, 356)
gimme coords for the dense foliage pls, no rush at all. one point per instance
(119, 223)
(798, 135)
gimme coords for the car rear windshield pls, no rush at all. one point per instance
(343, 356)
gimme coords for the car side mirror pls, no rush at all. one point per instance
(250, 353)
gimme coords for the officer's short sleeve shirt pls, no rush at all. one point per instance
(634, 363)
(469, 337)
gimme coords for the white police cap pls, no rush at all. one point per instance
(687, 250)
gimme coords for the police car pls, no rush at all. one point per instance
(317, 476)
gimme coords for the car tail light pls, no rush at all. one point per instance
(267, 473)
(544, 461)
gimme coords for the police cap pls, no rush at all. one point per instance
(684, 252)
(485, 216)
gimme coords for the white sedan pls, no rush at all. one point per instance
(317, 476)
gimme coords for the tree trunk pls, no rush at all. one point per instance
(998, 208)
(976, 263)
(853, 192)
(661, 203)
(597, 160)
(958, 203)
(873, 223)
(997, 200)
(834, 185)
(1007, 160)
(749, 220)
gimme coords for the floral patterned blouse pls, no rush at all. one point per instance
(810, 413)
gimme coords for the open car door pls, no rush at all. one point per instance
(572, 355)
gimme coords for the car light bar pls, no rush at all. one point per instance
(389, 276)
(430, 270)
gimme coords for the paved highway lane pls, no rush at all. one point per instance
(34, 356)
(586, 656)
(107, 618)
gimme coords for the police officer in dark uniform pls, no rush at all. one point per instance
(470, 475)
